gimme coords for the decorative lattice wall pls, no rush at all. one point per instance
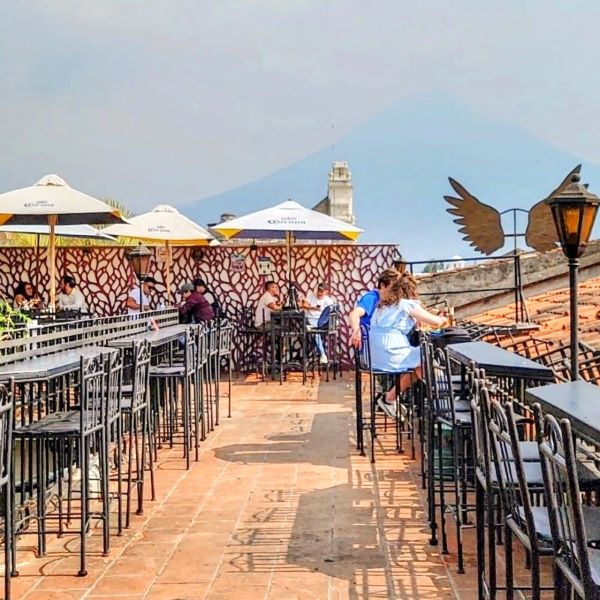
(104, 274)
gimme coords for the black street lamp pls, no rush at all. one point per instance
(140, 260)
(574, 211)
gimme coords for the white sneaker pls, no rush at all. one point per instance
(323, 359)
(388, 408)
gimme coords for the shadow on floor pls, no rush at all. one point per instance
(298, 446)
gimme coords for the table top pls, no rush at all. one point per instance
(156, 338)
(44, 367)
(578, 401)
(498, 361)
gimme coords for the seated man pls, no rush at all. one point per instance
(194, 308)
(267, 303)
(138, 299)
(314, 304)
(201, 287)
(70, 297)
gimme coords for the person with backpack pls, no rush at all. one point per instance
(201, 287)
(318, 306)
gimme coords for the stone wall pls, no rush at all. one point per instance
(490, 284)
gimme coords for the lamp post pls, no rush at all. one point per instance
(574, 212)
(140, 260)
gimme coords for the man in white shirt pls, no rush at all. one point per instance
(138, 299)
(267, 303)
(70, 297)
(314, 304)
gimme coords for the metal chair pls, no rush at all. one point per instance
(572, 526)
(6, 428)
(289, 336)
(135, 419)
(82, 427)
(451, 418)
(518, 482)
(225, 338)
(167, 380)
(376, 378)
(250, 349)
(329, 333)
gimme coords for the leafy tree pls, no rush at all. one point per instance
(433, 267)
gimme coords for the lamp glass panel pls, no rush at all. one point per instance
(570, 220)
(587, 222)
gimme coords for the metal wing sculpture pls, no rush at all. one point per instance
(482, 224)
(541, 232)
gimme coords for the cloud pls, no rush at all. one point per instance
(153, 101)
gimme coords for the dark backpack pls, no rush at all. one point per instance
(323, 321)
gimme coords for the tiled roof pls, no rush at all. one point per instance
(551, 312)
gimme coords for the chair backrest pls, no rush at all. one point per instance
(480, 402)
(141, 352)
(364, 354)
(508, 464)
(7, 394)
(225, 334)
(202, 343)
(114, 375)
(93, 393)
(213, 338)
(190, 347)
(563, 498)
(442, 398)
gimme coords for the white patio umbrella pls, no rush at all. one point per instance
(51, 201)
(163, 224)
(288, 220)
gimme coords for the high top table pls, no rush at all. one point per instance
(52, 365)
(578, 401)
(498, 361)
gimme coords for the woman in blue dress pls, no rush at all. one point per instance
(399, 310)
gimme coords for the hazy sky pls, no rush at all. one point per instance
(169, 101)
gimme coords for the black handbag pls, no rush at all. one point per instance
(413, 337)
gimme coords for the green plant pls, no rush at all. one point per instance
(10, 319)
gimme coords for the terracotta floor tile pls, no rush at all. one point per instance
(280, 506)
(123, 584)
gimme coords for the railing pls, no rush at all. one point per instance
(516, 289)
(49, 338)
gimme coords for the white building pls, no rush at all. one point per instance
(338, 202)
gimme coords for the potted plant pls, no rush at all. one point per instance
(11, 319)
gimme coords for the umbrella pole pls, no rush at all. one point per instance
(168, 274)
(288, 241)
(52, 220)
(37, 262)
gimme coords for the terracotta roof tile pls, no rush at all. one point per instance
(551, 312)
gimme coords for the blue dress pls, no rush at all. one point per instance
(390, 349)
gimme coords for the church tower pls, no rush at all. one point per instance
(339, 191)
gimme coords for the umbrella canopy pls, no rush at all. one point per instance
(68, 231)
(52, 196)
(287, 218)
(163, 224)
(52, 201)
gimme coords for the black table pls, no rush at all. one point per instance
(53, 365)
(578, 401)
(156, 338)
(499, 362)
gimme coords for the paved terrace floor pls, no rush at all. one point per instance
(280, 507)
